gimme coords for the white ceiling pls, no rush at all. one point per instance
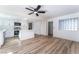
(51, 10)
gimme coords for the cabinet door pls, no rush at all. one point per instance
(10, 30)
(24, 25)
(4, 23)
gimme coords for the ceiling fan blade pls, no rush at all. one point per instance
(41, 11)
(32, 7)
(37, 14)
(38, 7)
(29, 9)
(30, 13)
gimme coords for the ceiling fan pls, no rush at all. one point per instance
(35, 10)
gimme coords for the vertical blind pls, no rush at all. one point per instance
(69, 24)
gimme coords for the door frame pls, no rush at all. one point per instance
(48, 27)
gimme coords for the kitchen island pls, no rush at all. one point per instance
(2, 33)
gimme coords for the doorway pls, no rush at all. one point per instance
(50, 28)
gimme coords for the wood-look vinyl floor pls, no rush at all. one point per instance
(40, 45)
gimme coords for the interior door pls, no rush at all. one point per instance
(50, 28)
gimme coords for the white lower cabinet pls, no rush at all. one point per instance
(9, 33)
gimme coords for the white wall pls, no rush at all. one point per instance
(40, 27)
(71, 35)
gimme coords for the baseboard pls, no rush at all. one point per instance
(65, 39)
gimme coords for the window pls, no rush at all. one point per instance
(69, 24)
